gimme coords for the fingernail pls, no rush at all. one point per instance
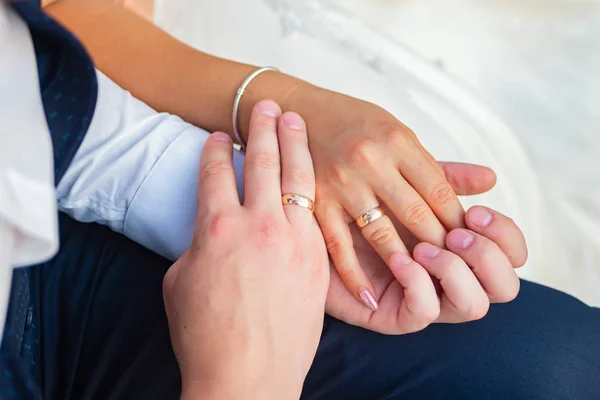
(460, 238)
(480, 216)
(399, 259)
(221, 137)
(428, 250)
(269, 108)
(293, 120)
(368, 299)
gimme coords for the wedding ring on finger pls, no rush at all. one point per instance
(369, 216)
(297, 200)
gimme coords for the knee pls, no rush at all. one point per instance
(553, 361)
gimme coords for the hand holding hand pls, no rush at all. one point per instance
(450, 285)
(364, 156)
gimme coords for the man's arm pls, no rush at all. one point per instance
(165, 73)
(137, 172)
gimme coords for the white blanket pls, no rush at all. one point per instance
(334, 47)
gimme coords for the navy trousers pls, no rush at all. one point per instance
(97, 330)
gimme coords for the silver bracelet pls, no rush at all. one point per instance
(236, 104)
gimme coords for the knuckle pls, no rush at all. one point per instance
(431, 314)
(215, 168)
(425, 318)
(416, 213)
(362, 153)
(264, 160)
(219, 225)
(509, 293)
(338, 175)
(395, 133)
(334, 245)
(442, 193)
(300, 177)
(382, 236)
(477, 310)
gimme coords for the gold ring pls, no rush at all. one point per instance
(298, 200)
(370, 216)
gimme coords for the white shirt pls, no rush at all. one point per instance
(136, 170)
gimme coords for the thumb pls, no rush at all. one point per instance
(469, 179)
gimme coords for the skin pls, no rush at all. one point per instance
(361, 153)
(245, 302)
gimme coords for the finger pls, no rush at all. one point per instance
(217, 188)
(297, 172)
(469, 179)
(501, 230)
(433, 187)
(488, 262)
(463, 298)
(382, 236)
(410, 209)
(420, 306)
(380, 233)
(338, 240)
(262, 169)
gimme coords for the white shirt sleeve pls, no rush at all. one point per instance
(137, 172)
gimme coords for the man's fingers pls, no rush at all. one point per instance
(420, 306)
(501, 230)
(217, 186)
(469, 179)
(262, 169)
(297, 172)
(462, 293)
(488, 262)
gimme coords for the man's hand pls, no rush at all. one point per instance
(246, 301)
(439, 285)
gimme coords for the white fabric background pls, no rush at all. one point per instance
(542, 142)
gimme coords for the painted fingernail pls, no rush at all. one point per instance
(480, 216)
(269, 108)
(221, 137)
(460, 238)
(293, 120)
(428, 250)
(368, 299)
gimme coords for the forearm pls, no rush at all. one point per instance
(164, 72)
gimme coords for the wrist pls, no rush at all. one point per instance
(276, 86)
(269, 387)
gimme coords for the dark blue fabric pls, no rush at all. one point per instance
(67, 82)
(90, 324)
(100, 316)
(69, 90)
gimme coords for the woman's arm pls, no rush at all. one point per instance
(362, 154)
(165, 73)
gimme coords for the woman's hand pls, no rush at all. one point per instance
(246, 301)
(476, 270)
(363, 156)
